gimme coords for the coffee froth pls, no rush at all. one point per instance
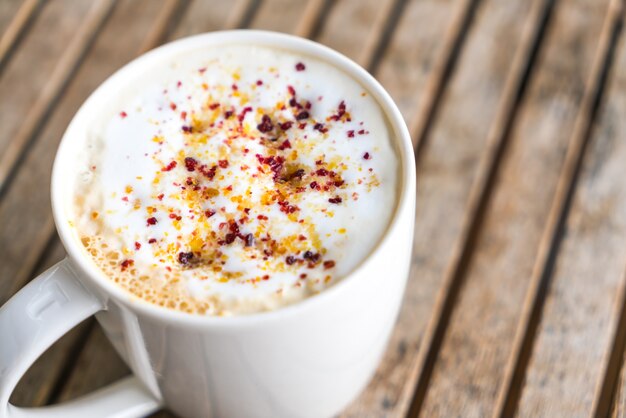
(235, 180)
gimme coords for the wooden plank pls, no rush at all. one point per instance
(39, 383)
(460, 152)
(13, 22)
(9, 10)
(25, 206)
(572, 361)
(34, 88)
(549, 244)
(278, 15)
(477, 343)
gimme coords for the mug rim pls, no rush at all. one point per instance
(402, 143)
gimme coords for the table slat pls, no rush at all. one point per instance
(14, 21)
(585, 298)
(40, 70)
(477, 344)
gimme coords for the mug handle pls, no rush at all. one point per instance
(37, 316)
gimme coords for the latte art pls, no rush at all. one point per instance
(236, 180)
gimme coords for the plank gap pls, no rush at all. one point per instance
(19, 25)
(243, 14)
(376, 47)
(510, 394)
(166, 21)
(313, 18)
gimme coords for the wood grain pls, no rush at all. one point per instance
(23, 82)
(35, 88)
(477, 343)
(498, 148)
(550, 240)
(585, 299)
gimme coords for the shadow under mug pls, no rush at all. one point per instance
(309, 359)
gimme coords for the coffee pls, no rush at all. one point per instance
(235, 180)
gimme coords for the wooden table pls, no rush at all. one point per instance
(516, 303)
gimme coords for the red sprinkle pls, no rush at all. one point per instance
(242, 115)
(208, 213)
(335, 200)
(169, 167)
(329, 264)
(151, 240)
(214, 106)
(341, 110)
(265, 125)
(259, 82)
(291, 90)
(185, 258)
(367, 156)
(126, 263)
(173, 106)
(351, 133)
(137, 245)
(286, 125)
(285, 145)
(300, 66)
(230, 238)
(152, 221)
(191, 163)
(320, 127)
(123, 114)
(302, 115)
(223, 163)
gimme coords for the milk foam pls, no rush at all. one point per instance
(235, 180)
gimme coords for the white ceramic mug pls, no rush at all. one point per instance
(306, 360)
